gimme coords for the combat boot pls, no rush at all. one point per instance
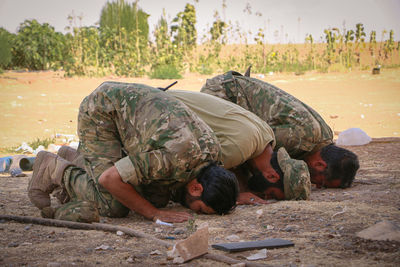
(68, 153)
(72, 155)
(47, 175)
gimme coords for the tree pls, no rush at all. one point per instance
(389, 45)
(5, 48)
(130, 26)
(331, 36)
(38, 47)
(348, 38)
(167, 59)
(217, 30)
(311, 56)
(359, 41)
(184, 29)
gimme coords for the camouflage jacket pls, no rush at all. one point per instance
(297, 127)
(155, 141)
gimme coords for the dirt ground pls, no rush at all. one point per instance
(323, 229)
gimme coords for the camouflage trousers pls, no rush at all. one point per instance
(81, 187)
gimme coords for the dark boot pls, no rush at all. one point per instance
(47, 175)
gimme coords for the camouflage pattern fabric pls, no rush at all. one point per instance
(296, 177)
(164, 143)
(297, 127)
(78, 211)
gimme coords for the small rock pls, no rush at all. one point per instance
(28, 227)
(156, 252)
(233, 238)
(291, 228)
(103, 247)
(26, 244)
(120, 233)
(177, 231)
(384, 230)
(269, 227)
(13, 245)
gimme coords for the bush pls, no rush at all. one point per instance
(5, 49)
(165, 72)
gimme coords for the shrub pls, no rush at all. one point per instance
(5, 48)
(165, 72)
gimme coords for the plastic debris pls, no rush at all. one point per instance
(17, 172)
(37, 150)
(158, 221)
(24, 148)
(120, 233)
(5, 164)
(353, 137)
(53, 148)
(74, 144)
(261, 254)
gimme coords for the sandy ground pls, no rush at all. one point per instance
(323, 229)
(38, 105)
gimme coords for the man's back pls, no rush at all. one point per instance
(242, 134)
(154, 140)
(297, 127)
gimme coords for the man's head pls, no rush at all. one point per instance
(294, 182)
(333, 167)
(214, 191)
(258, 183)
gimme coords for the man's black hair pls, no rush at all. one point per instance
(258, 183)
(220, 189)
(341, 164)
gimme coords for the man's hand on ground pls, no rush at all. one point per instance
(172, 216)
(247, 198)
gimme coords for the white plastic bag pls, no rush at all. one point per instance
(353, 137)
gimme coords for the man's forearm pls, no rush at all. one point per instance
(126, 194)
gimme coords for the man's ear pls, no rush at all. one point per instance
(194, 188)
(273, 179)
(319, 165)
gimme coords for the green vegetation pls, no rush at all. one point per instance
(41, 142)
(45, 142)
(121, 45)
(5, 48)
